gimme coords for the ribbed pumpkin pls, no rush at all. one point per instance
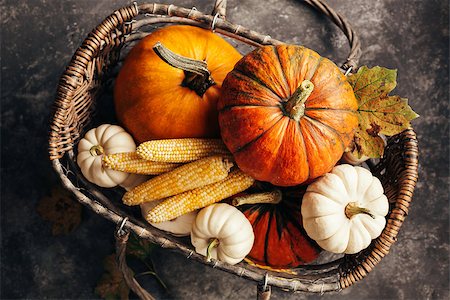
(280, 240)
(155, 100)
(286, 114)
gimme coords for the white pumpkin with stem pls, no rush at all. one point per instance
(103, 140)
(222, 232)
(345, 209)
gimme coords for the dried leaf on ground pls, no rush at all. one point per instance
(378, 112)
(112, 284)
(61, 210)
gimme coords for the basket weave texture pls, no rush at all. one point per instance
(82, 82)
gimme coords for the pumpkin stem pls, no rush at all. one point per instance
(295, 105)
(353, 209)
(273, 197)
(197, 76)
(213, 243)
(96, 150)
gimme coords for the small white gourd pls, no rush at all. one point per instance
(349, 158)
(133, 181)
(180, 226)
(222, 232)
(345, 209)
(103, 140)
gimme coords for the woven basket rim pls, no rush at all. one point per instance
(68, 123)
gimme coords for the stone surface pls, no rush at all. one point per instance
(38, 39)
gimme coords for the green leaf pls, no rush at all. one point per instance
(142, 249)
(378, 112)
(60, 209)
(112, 285)
(139, 248)
(376, 82)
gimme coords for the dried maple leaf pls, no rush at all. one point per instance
(61, 210)
(378, 112)
(112, 285)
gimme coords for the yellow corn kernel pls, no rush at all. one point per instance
(186, 177)
(181, 150)
(180, 204)
(130, 162)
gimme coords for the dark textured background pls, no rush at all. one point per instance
(38, 38)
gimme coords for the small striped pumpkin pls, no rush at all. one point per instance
(287, 114)
(280, 240)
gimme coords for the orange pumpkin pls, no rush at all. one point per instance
(280, 240)
(286, 114)
(155, 100)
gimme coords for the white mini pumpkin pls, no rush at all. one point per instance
(105, 139)
(222, 232)
(350, 158)
(345, 209)
(353, 159)
(133, 181)
(180, 226)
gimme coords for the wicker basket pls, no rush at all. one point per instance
(80, 88)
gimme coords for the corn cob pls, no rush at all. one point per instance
(183, 203)
(180, 150)
(130, 162)
(179, 180)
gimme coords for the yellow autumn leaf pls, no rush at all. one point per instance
(378, 112)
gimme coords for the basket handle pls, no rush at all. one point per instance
(220, 7)
(345, 26)
(121, 249)
(263, 291)
(355, 44)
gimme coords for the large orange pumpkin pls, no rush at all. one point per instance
(154, 100)
(287, 114)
